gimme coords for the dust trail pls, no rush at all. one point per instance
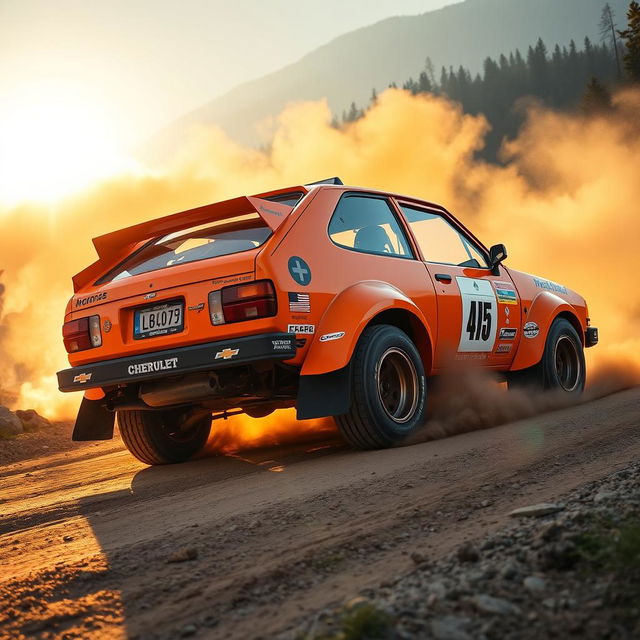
(566, 204)
(466, 399)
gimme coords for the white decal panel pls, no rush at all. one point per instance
(479, 315)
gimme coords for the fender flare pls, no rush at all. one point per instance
(544, 309)
(325, 379)
(349, 313)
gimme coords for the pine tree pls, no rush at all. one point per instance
(596, 98)
(632, 37)
(608, 32)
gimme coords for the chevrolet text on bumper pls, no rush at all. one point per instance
(160, 364)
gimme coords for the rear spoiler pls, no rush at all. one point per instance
(115, 246)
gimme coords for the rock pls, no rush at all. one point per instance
(534, 584)
(467, 553)
(486, 503)
(10, 424)
(509, 571)
(183, 555)
(536, 510)
(438, 589)
(67, 538)
(558, 555)
(450, 628)
(31, 420)
(417, 558)
(489, 604)
(547, 533)
(604, 496)
(188, 630)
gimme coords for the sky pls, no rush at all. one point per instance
(129, 67)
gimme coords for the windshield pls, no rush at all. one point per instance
(210, 240)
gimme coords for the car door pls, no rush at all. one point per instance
(478, 311)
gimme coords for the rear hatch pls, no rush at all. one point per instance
(155, 296)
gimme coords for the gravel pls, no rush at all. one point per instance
(540, 576)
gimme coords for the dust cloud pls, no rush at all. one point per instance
(566, 203)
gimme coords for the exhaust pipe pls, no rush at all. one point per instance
(163, 394)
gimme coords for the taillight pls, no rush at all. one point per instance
(243, 302)
(82, 334)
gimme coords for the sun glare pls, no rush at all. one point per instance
(51, 143)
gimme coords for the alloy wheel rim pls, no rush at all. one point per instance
(567, 363)
(397, 385)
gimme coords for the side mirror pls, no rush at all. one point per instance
(497, 254)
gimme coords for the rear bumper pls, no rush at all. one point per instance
(171, 362)
(591, 337)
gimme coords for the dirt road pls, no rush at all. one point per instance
(95, 545)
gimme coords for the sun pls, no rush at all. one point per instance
(53, 142)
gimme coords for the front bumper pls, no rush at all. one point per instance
(171, 362)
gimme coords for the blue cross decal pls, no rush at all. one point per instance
(299, 270)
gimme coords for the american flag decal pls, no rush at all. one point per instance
(299, 303)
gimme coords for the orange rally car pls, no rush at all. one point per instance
(340, 301)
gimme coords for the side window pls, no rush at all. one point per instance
(441, 242)
(367, 224)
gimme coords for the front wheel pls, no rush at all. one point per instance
(388, 394)
(163, 437)
(562, 367)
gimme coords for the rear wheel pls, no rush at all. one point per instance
(163, 437)
(562, 366)
(388, 393)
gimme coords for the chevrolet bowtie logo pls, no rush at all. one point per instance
(227, 354)
(82, 378)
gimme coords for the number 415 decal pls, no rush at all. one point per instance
(480, 321)
(479, 315)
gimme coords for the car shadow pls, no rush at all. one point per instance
(127, 582)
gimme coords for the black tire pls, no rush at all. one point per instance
(388, 390)
(562, 367)
(155, 437)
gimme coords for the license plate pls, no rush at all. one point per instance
(159, 320)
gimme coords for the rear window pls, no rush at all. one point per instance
(209, 240)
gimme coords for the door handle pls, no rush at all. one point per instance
(443, 277)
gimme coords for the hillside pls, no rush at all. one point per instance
(347, 68)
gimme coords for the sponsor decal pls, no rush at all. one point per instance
(505, 292)
(549, 286)
(273, 212)
(508, 334)
(82, 377)
(149, 296)
(106, 326)
(471, 356)
(530, 330)
(479, 315)
(300, 342)
(232, 280)
(299, 302)
(83, 302)
(281, 345)
(503, 348)
(152, 365)
(301, 329)
(332, 336)
(299, 270)
(197, 307)
(227, 354)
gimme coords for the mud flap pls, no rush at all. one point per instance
(94, 421)
(326, 394)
